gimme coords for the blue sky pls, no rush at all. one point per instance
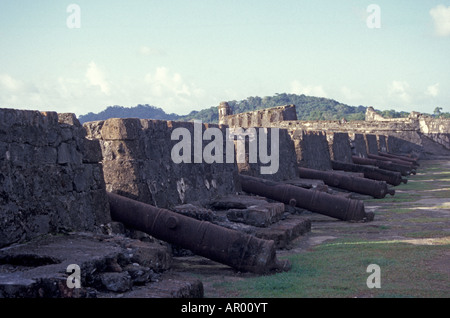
(192, 54)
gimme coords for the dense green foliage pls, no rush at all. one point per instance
(392, 114)
(140, 111)
(308, 108)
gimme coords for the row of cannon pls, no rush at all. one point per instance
(247, 253)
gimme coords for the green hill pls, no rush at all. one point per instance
(308, 108)
(139, 111)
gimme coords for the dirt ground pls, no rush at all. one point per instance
(418, 214)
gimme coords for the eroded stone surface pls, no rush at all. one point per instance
(39, 268)
(50, 176)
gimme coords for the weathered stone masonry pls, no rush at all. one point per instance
(50, 176)
(54, 175)
(398, 135)
(137, 163)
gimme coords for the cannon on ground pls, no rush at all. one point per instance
(404, 158)
(233, 248)
(408, 164)
(312, 200)
(371, 172)
(386, 165)
(374, 188)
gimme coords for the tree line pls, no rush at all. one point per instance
(308, 108)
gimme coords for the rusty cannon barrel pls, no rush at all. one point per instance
(312, 200)
(374, 188)
(397, 161)
(404, 158)
(233, 248)
(371, 172)
(386, 165)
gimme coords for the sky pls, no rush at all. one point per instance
(82, 56)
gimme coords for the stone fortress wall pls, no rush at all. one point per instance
(137, 162)
(397, 135)
(51, 178)
(55, 173)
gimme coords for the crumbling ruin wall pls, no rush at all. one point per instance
(138, 163)
(410, 129)
(407, 131)
(261, 118)
(50, 176)
(437, 130)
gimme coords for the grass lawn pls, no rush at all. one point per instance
(409, 240)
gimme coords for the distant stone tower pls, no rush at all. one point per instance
(224, 110)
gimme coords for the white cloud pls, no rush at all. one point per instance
(171, 87)
(14, 92)
(399, 91)
(310, 90)
(9, 83)
(441, 18)
(433, 90)
(96, 78)
(90, 91)
(150, 51)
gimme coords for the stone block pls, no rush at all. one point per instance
(121, 129)
(138, 163)
(372, 144)
(358, 144)
(340, 149)
(312, 149)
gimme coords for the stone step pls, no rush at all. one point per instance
(106, 264)
(285, 231)
(168, 286)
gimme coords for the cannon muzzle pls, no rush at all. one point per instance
(233, 248)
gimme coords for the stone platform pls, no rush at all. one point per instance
(109, 266)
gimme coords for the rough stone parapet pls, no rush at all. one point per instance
(260, 118)
(137, 163)
(437, 130)
(50, 176)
